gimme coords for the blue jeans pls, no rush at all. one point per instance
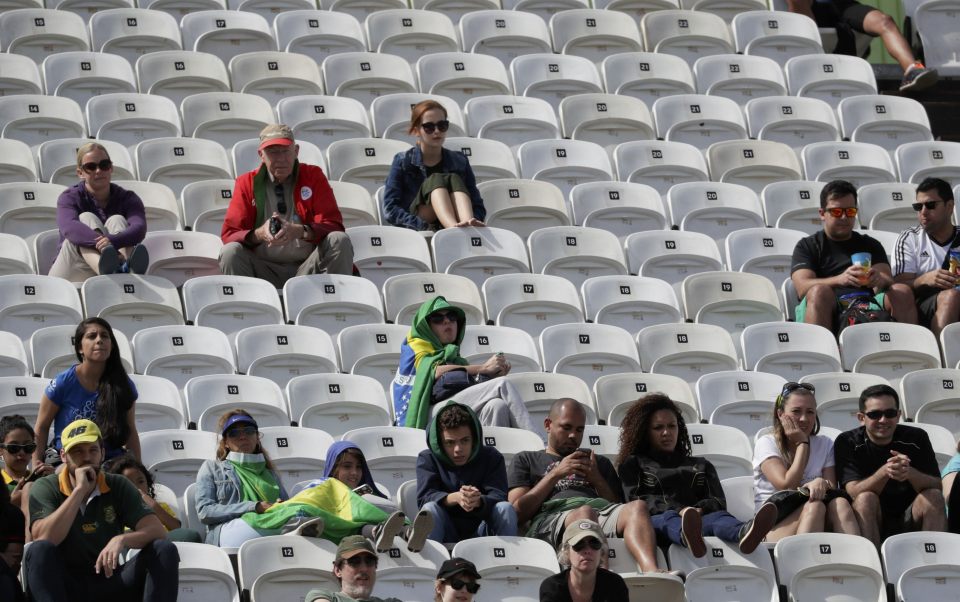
(720, 524)
(502, 520)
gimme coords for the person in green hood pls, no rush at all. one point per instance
(461, 482)
(431, 370)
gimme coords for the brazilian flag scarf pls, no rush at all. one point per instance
(420, 353)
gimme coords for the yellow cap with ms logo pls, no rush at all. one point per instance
(79, 431)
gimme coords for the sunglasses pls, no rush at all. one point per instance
(239, 431)
(840, 211)
(281, 201)
(103, 165)
(590, 542)
(361, 559)
(878, 414)
(16, 448)
(929, 205)
(790, 387)
(459, 584)
(440, 316)
(429, 126)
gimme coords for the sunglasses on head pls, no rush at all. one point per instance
(238, 431)
(929, 205)
(103, 165)
(459, 584)
(429, 126)
(440, 316)
(840, 211)
(16, 448)
(591, 542)
(361, 559)
(790, 387)
(878, 414)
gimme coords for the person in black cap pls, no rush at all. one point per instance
(355, 567)
(457, 581)
(583, 549)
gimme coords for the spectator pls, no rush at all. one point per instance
(431, 370)
(553, 488)
(97, 389)
(101, 225)
(461, 482)
(951, 493)
(78, 521)
(430, 187)
(457, 581)
(239, 481)
(12, 530)
(355, 567)
(583, 550)
(794, 457)
(17, 444)
(682, 491)
(283, 220)
(889, 470)
(135, 472)
(922, 256)
(848, 16)
(826, 277)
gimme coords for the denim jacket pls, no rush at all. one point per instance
(219, 497)
(407, 175)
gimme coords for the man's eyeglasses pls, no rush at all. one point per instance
(429, 126)
(361, 559)
(878, 414)
(239, 431)
(590, 542)
(841, 211)
(790, 387)
(929, 205)
(440, 316)
(102, 165)
(16, 448)
(458, 584)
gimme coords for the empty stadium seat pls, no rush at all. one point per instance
(28, 302)
(929, 396)
(505, 34)
(778, 35)
(391, 114)
(159, 203)
(42, 32)
(575, 253)
(21, 395)
(950, 343)
(129, 118)
(462, 76)
(886, 121)
(159, 405)
(541, 389)
(618, 207)
(522, 206)
(280, 352)
(921, 564)
(133, 32)
(838, 394)
(790, 350)
(564, 163)
(741, 399)
(857, 162)
(553, 77)
(384, 251)
(275, 75)
(356, 205)
(512, 120)
(318, 34)
(887, 206)
(890, 349)
(366, 75)
(225, 117)
(179, 256)
(210, 396)
(616, 393)
(519, 348)
(630, 302)
(231, 303)
(175, 456)
(360, 9)
(687, 351)
(131, 302)
(544, 8)
(179, 161)
(732, 300)
(297, 453)
(793, 120)
(204, 204)
(830, 564)
(332, 301)
(531, 302)
(28, 207)
(391, 452)
(936, 22)
(714, 208)
(919, 160)
(224, 33)
(81, 76)
(725, 569)
(403, 295)
(739, 77)
(364, 161)
(588, 351)
(177, 74)
(511, 567)
(19, 75)
(489, 159)
(606, 119)
(44, 250)
(687, 34)
(268, 9)
(180, 353)
(372, 350)
(593, 33)
(277, 567)
(767, 252)
(698, 119)
(410, 33)
(671, 255)
(829, 77)
(36, 118)
(178, 8)
(338, 403)
(793, 205)
(15, 255)
(205, 573)
(727, 448)
(753, 163)
(659, 163)
(647, 76)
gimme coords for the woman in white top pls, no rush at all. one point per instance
(794, 456)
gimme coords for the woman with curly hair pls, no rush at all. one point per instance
(794, 457)
(682, 491)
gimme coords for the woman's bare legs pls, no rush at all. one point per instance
(840, 517)
(465, 210)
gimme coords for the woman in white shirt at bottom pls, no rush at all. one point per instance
(794, 456)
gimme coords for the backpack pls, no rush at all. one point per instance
(860, 308)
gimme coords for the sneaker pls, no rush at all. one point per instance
(691, 532)
(387, 530)
(417, 536)
(753, 531)
(138, 261)
(918, 78)
(109, 260)
(303, 526)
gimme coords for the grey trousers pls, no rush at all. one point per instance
(70, 263)
(497, 402)
(334, 255)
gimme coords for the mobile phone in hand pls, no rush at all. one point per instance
(585, 450)
(364, 490)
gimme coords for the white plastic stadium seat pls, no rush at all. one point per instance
(489, 159)
(231, 303)
(297, 453)
(531, 302)
(512, 120)
(356, 205)
(564, 163)
(30, 207)
(224, 33)
(275, 75)
(616, 393)
(732, 300)
(553, 77)
(159, 203)
(390, 114)
(714, 208)
(28, 302)
(360, 9)
(15, 255)
(618, 207)
(129, 118)
(647, 76)
(42, 32)
(384, 251)
(204, 204)
(280, 352)
(541, 389)
(133, 32)
(366, 75)
(838, 394)
(179, 256)
(724, 569)
(178, 8)
(131, 302)
(739, 77)
(687, 351)
(823, 565)
(919, 160)
(338, 403)
(318, 34)
(887, 206)
(630, 302)
(410, 33)
(659, 163)
(793, 120)
(205, 573)
(921, 565)
(332, 301)
(790, 350)
(936, 23)
(886, 121)
(159, 405)
(778, 35)
(511, 567)
(180, 353)
(829, 77)
(403, 295)
(505, 34)
(671, 255)
(698, 119)
(728, 449)
(793, 205)
(175, 456)
(857, 162)
(462, 75)
(81, 76)
(522, 206)
(519, 348)
(575, 253)
(21, 395)
(364, 161)
(544, 8)
(210, 396)
(277, 567)
(225, 117)
(593, 33)
(742, 399)
(687, 34)
(930, 396)
(372, 350)
(753, 163)
(588, 351)
(20, 75)
(764, 251)
(606, 119)
(888, 349)
(177, 74)
(35, 118)
(178, 161)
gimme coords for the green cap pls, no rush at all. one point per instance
(352, 545)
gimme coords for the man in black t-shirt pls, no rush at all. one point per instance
(890, 470)
(823, 271)
(551, 489)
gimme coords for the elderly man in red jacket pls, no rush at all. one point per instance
(283, 220)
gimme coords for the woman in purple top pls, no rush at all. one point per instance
(101, 225)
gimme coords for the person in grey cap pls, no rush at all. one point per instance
(456, 581)
(283, 219)
(355, 567)
(583, 550)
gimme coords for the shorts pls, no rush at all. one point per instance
(849, 13)
(800, 311)
(927, 308)
(450, 181)
(898, 522)
(551, 528)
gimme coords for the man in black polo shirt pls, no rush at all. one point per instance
(78, 522)
(890, 470)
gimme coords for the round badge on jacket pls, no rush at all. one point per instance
(305, 192)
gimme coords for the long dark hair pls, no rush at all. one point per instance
(635, 427)
(114, 392)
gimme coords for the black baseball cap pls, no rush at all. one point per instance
(454, 566)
